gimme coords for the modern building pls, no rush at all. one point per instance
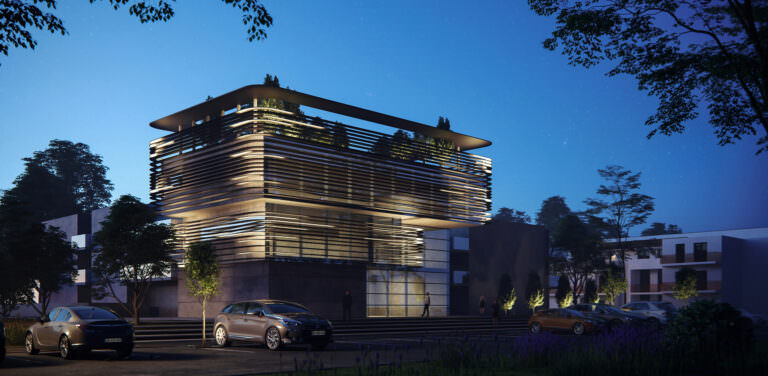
(301, 206)
(730, 266)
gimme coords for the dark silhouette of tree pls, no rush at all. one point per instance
(21, 17)
(563, 289)
(505, 287)
(506, 214)
(532, 289)
(81, 171)
(620, 206)
(579, 253)
(552, 211)
(382, 146)
(39, 195)
(402, 146)
(690, 54)
(134, 251)
(339, 137)
(658, 228)
(590, 292)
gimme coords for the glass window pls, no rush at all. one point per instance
(238, 308)
(61, 315)
(227, 309)
(66, 317)
(699, 252)
(254, 308)
(285, 308)
(87, 313)
(701, 280)
(460, 277)
(52, 315)
(680, 252)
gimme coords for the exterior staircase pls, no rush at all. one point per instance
(173, 330)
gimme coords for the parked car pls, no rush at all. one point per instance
(2, 342)
(272, 322)
(612, 315)
(656, 312)
(563, 319)
(78, 330)
(757, 320)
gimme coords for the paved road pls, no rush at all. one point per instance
(240, 359)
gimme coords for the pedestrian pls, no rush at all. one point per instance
(346, 305)
(426, 306)
(482, 305)
(495, 309)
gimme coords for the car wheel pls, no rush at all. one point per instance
(273, 339)
(535, 328)
(124, 351)
(578, 328)
(29, 345)
(65, 348)
(654, 323)
(222, 337)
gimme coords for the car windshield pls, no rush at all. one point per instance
(612, 309)
(90, 313)
(285, 308)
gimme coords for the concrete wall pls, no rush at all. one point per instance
(319, 286)
(497, 248)
(754, 278)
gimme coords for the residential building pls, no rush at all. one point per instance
(729, 265)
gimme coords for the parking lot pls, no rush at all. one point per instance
(187, 358)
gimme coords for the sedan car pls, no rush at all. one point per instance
(656, 312)
(564, 319)
(272, 322)
(613, 316)
(79, 329)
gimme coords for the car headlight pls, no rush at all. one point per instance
(289, 322)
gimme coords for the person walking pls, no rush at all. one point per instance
(495, 313)
(346, 305)
(426, 306)
(482, 304)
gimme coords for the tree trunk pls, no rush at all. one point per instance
(135, 311)
(204, 301)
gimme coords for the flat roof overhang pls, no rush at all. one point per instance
(246, 94)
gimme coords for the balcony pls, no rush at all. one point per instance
(713, 258)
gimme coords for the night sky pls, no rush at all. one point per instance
(481, 65)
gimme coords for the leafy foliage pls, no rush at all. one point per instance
(708, 327)
(619, 206)
(579, 252)
(536, 300)
(202, 274)
(134, 251)
(509, 300)
(38, 195)
(659, 228)
(553, 209)
(81, 172)
(685, 284)
(19, 18)
(505, 214)
(590, 292)
(563, 290)
(690, 54)
(612, 286)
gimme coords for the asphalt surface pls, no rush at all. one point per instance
(188, 359)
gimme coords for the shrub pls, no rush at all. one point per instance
(15, 331)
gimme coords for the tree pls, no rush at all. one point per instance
(552, 210)
(21, 17)
(339, 136)
(37, 259)
(506, 214)
(620, 205)
(564, 293)
(202, 274)
(38, 195)
(508, 302)
(690, 54)
(590, 292)
(534, 294)
(612, 286)
(402, 146)
(578, 254)
(81, 172)
(685, 285)
(505, 287)
(658, 228)
(134, 251)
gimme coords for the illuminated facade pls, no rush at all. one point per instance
(273, 187)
